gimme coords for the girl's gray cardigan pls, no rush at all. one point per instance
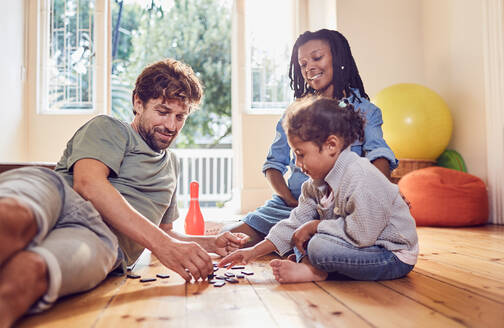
(367, 210)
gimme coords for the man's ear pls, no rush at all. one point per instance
(334, 144)
(138, 104)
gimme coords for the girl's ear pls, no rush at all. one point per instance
(334, 145)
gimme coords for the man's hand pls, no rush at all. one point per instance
(241, 256)
(227, 242)
(180, 255)
(303, 234)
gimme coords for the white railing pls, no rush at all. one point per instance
(212, 168)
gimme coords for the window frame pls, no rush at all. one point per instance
(100, 86)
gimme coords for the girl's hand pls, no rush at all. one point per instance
(227, 242)
(241, 256)
(303, 234)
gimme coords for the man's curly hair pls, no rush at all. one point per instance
(170, 79)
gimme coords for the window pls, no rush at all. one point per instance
(68, 61)
(269, 50)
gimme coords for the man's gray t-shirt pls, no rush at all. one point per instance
(145, 178)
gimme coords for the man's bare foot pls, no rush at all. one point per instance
(287, 271)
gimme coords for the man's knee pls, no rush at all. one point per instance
(17, 221)
(11, 207)
(83, 259)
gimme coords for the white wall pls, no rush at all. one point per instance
(13, 124)
(386, 40)
(454, 67)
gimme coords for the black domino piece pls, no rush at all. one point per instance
(238, 267)
(248, 273)
(232, 280)
(147, 279)
(211, 276)
(229, 274)
(212, 281)
(240, 276)
(133, 276)
(220, 277)
(219, 283)
(163, 276)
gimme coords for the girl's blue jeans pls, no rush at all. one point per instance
(338, 257)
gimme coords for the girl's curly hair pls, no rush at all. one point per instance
(316, 118)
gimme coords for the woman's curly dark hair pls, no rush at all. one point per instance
(345, 73)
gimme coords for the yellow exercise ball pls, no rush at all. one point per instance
(417, 123)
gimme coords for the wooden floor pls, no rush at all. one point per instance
(458, 282)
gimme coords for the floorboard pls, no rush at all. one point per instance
(457, 282)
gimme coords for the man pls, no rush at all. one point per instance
(57, 240)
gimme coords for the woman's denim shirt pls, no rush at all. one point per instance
(374, 146)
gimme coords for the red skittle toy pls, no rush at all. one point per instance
(194, 223)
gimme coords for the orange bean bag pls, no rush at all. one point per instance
(444, 197)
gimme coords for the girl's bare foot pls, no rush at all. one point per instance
(287, 271)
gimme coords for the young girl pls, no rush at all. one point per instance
(322, 64)
(350, 219)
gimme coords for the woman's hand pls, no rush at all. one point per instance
(279, 186)
(303, 234)
(290, 200)
(227, 242)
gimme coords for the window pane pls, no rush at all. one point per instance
(270, 49)
(71, 53)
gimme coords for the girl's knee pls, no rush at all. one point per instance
(317, 249)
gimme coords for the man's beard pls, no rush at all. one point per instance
(149, 137)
